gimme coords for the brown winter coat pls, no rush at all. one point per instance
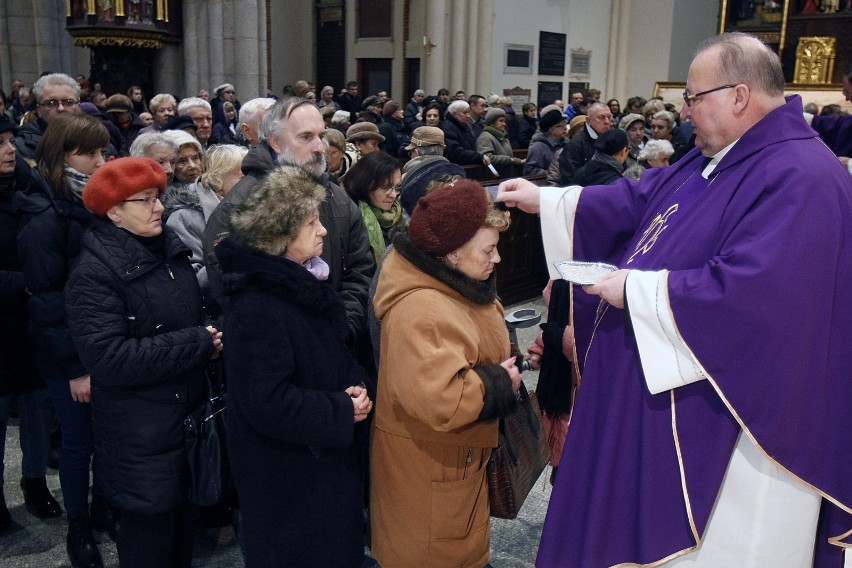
(440, 391)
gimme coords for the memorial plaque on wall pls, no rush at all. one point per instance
(551, 53)
(548, 91)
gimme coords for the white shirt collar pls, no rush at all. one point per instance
(714, 161)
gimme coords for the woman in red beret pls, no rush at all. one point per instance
(445, 377)
(70, 151)
(134, 310)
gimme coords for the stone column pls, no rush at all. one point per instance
(617, 68)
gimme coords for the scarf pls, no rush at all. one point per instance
(316, 266)
(376, 220)
(75, 180)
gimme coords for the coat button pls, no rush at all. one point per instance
(177, 395)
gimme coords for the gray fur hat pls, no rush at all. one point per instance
(270, 217)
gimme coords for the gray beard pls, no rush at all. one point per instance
(315, 165)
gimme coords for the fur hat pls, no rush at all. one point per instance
(372, 100)
(7, 124)
(448, 217)
(363, 131)
(550, 117)
(117, 180)
(576, 124)
(118, 103)
(611, 142)
(217, 92)
(270, 217)
(492, 114)
(628, 119)
(424, 170)
(390, 108)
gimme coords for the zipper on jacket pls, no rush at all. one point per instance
(169, 268)
(468, 461)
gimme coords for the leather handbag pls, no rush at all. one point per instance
(519, 459)
(206, 450)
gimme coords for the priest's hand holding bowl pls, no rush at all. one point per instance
(610, 288)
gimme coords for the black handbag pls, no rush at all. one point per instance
(205, 442)
(519, 459)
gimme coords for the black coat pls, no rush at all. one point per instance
(597, 172)
(138, 325)
(290, 424)
(577, 152)
(394, 132)
(526, 129)
(17, 359)
(461, 144)
(48, 246)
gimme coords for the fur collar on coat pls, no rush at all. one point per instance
(245, 268)
(481, 292)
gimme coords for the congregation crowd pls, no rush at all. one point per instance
(328, 258)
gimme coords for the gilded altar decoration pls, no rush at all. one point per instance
(815, 60)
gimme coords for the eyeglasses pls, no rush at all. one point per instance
(690, 99)
(53, 103)
(149, 201)
(391, 190)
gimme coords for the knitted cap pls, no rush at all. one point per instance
(390, 108)
(363, 131)
(611, 142)
(492, 114)
(550, 117)
(117, 180)
(423, 171)
(448, 217)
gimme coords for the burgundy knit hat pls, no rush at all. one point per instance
(117, 180)
(448, 217)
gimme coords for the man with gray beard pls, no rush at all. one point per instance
(292, 133)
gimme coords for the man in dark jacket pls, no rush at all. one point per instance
(54, 94)
(291, 134)
(412, 117)
(461, 145)
(581, 148)
(607, 164)
(350, 101)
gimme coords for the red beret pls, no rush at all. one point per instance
(117, 180)
(448, 217)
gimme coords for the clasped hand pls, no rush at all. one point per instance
(361, 401)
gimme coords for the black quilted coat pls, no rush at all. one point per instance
(47, 248)
(137, 322)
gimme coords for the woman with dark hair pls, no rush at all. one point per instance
(527, 125)
(374, 184)
(445, 377)
(134, 308)
(70, 151)
(433, 115)
(298, 398)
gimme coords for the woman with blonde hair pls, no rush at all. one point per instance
(221, 167)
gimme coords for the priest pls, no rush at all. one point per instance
(714, 412)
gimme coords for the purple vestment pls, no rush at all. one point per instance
(836, 132)
(760, 288)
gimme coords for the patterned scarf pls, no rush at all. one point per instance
(76, 181)
(375, 220)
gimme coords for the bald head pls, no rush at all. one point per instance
(600, 117)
